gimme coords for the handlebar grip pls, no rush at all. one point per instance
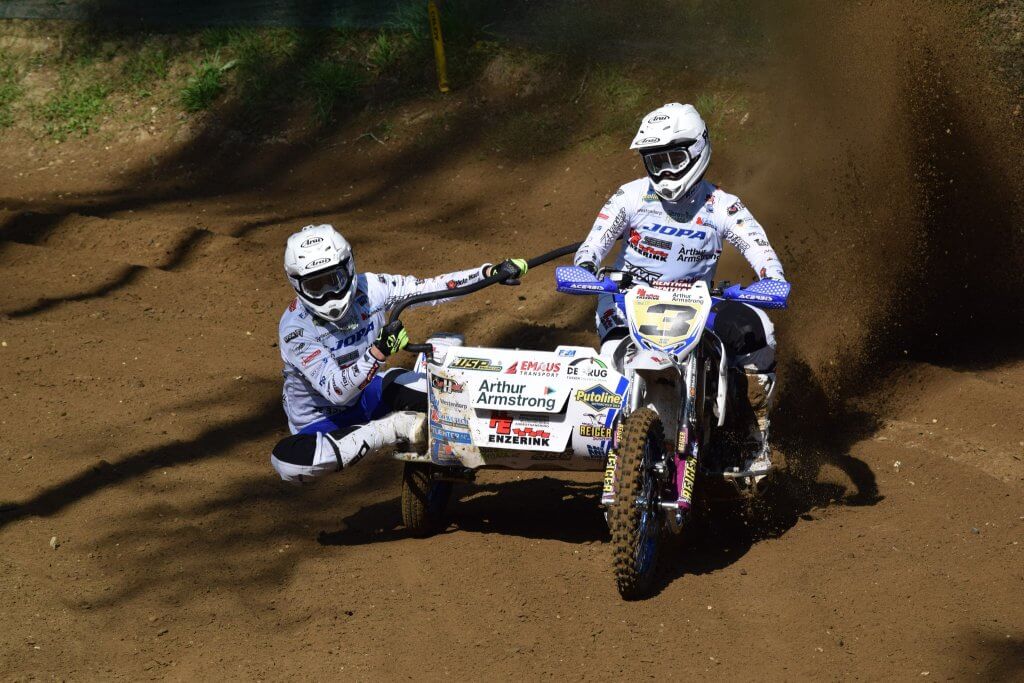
(419, 348)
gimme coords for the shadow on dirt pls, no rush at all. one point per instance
(536, 507)
(224, 539)
(999, 658)
(127, 276)
(264, 419)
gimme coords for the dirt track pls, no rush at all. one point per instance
(140, 399)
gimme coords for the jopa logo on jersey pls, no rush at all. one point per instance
(675, 232)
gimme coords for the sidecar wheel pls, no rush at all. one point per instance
(635, 518)
(424, 500)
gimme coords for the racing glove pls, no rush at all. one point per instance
(589, 266)
(392, 338)
(512, 268)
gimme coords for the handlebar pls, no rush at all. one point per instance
(625, 280)
(469, 289)
(765, 293)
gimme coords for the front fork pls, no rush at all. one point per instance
(687, 445)
(681, 477)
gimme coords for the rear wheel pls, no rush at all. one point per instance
(634, 519)
(424, 499)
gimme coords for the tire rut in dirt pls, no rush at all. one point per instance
(624, 516)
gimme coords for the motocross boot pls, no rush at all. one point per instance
(403, 429)
(760, 390)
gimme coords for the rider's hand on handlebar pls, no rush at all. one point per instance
(589, 266)
(392, 339)
(512, 268)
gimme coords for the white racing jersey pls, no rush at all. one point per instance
(677, 241)
(326, 364)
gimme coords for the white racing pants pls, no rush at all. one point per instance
(301, 458)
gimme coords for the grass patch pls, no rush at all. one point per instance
(387, 50)
(331, 85)
(721, 111)
(145, 69)
(10, 90)
(74, 108)
(621, 99)
(204, 86)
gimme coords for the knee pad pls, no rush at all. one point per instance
(748, 335)
(300, 458)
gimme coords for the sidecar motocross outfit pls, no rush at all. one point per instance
(340, 405)
(682, 241)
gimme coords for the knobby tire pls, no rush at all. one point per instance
(423, 500)
(624, 516)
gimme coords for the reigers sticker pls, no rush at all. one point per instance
(599, 397)
(596, 432)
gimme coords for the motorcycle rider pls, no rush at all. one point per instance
(334, 342)
(675, 222)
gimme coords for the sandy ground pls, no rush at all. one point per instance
(144, 535)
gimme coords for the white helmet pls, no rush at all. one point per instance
(318, 261)
(673, 140)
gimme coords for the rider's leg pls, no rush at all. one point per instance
(749, 339)
(396, 415)
(612, 329)
(613, 347)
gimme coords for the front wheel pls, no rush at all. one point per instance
(424, 499)
(634, 517)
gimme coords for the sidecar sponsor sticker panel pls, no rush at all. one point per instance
(593, 421)
(475, 363)
(523, 395)
(598, 397)
(516, 431)
(587, 368)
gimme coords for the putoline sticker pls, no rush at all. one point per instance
(599, 397)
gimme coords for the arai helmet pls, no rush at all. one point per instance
(318, 262)
(673, 141)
